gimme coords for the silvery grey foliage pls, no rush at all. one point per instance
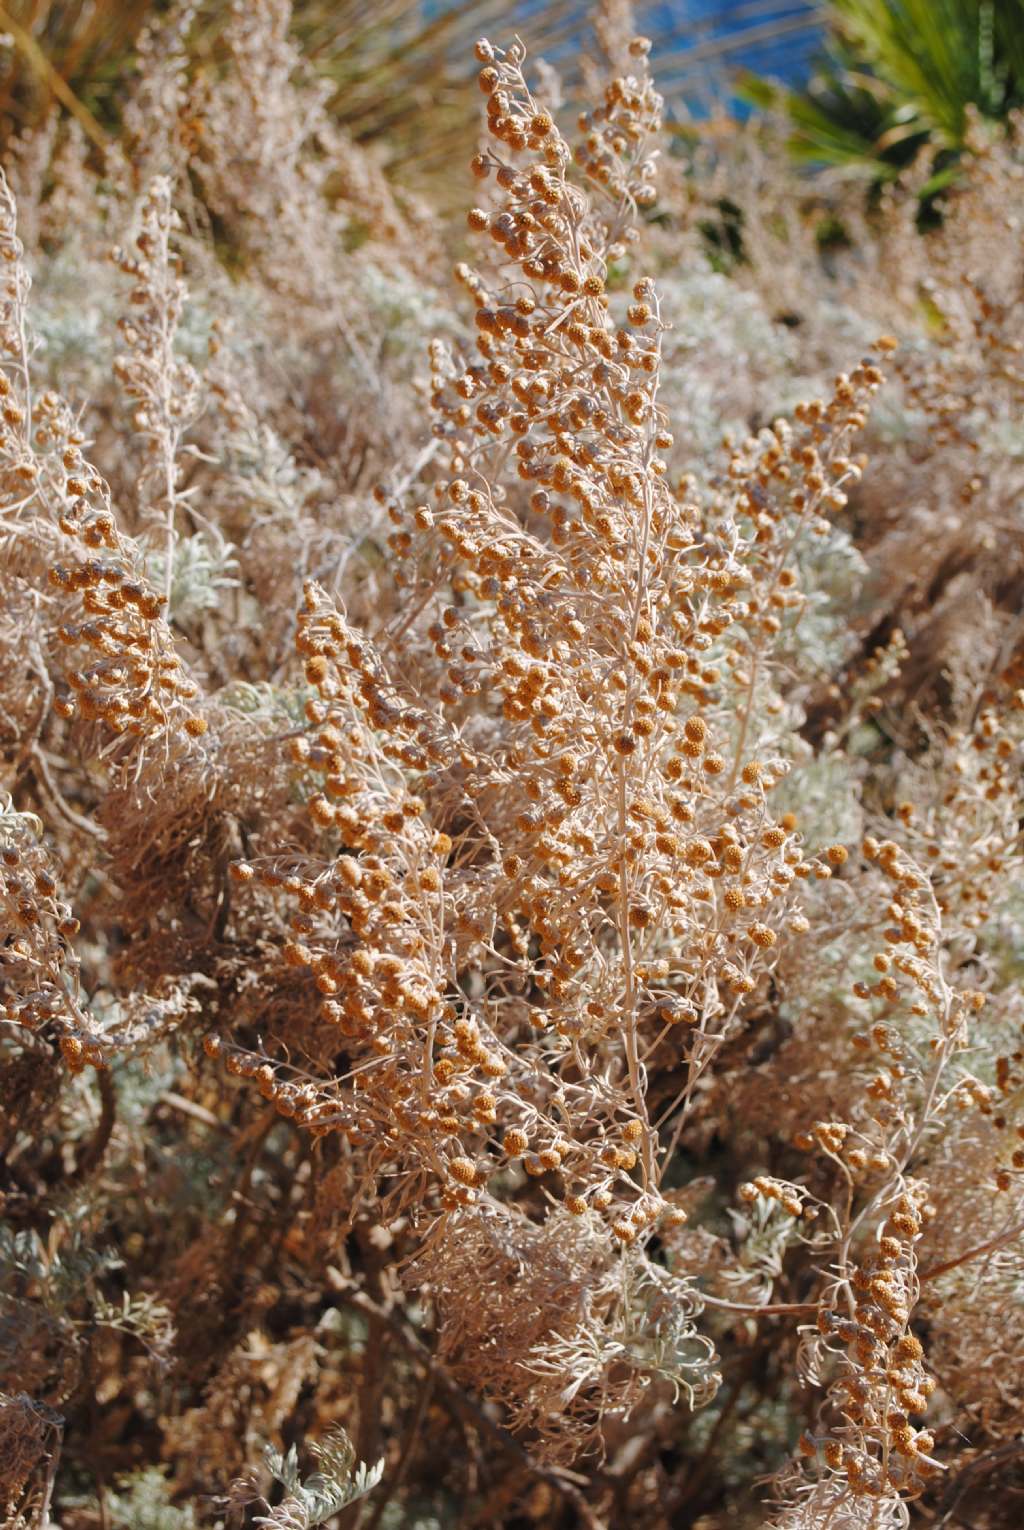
(340, 1481)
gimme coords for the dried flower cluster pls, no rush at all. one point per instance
(510, 918)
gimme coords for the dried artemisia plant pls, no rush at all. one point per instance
(520, 964)
(544, 785)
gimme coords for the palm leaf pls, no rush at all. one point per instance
(898, 74)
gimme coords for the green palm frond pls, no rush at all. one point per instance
(899, 75)
(938, 57)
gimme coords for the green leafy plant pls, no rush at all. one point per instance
(902, 75)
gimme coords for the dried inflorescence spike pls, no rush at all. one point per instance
(588, 829)
(41, 988)
(114, 655)
(163, 387)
